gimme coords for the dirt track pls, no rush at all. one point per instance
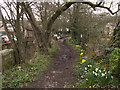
(60, 73)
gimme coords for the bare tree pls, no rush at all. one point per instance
(42, 36)
(14, 19)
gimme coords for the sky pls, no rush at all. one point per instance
(114, 6)
(107, 3)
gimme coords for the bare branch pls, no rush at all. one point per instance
(10, 9)
(99, 5)
(111, 4)
(10, 20)
(58, 13)
(68, 4)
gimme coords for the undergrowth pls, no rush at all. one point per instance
(89, 73)
(20, 75)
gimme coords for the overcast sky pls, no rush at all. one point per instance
(107, 3)
(114, 6)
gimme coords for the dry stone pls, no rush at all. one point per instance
(7, 59)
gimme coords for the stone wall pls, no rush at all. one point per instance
(0, 58)
(6, 59)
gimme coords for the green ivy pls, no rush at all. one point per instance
(115, 61)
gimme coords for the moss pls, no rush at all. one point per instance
(8, 64)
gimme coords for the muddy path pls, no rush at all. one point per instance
(60, 73)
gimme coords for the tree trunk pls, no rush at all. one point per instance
(17, 56)
(20, 37)
(39, 35)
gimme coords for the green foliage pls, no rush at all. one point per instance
(91, 78)
(17, 77)
(81, 84)
(55, 47)
(94, 75)
(106, 60)
(91, 74)
(27, 72)
(114, 82)
(115, 61)
(89, 62)
(104, 80)
(109, 50)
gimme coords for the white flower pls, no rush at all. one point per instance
(93, 72)
(108, 71)
(96, 69)
(81, 76)
(93, 86)
(58, 37)
(55, 35)
(112, 77)
(90, 65)
(103, 74)
(106, 77)
(81, 53)
(85, 68)
(99, 70)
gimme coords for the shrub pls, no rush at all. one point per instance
(115, 61)
(91, 74)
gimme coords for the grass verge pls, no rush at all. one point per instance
(91, 74)
(24, 73)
